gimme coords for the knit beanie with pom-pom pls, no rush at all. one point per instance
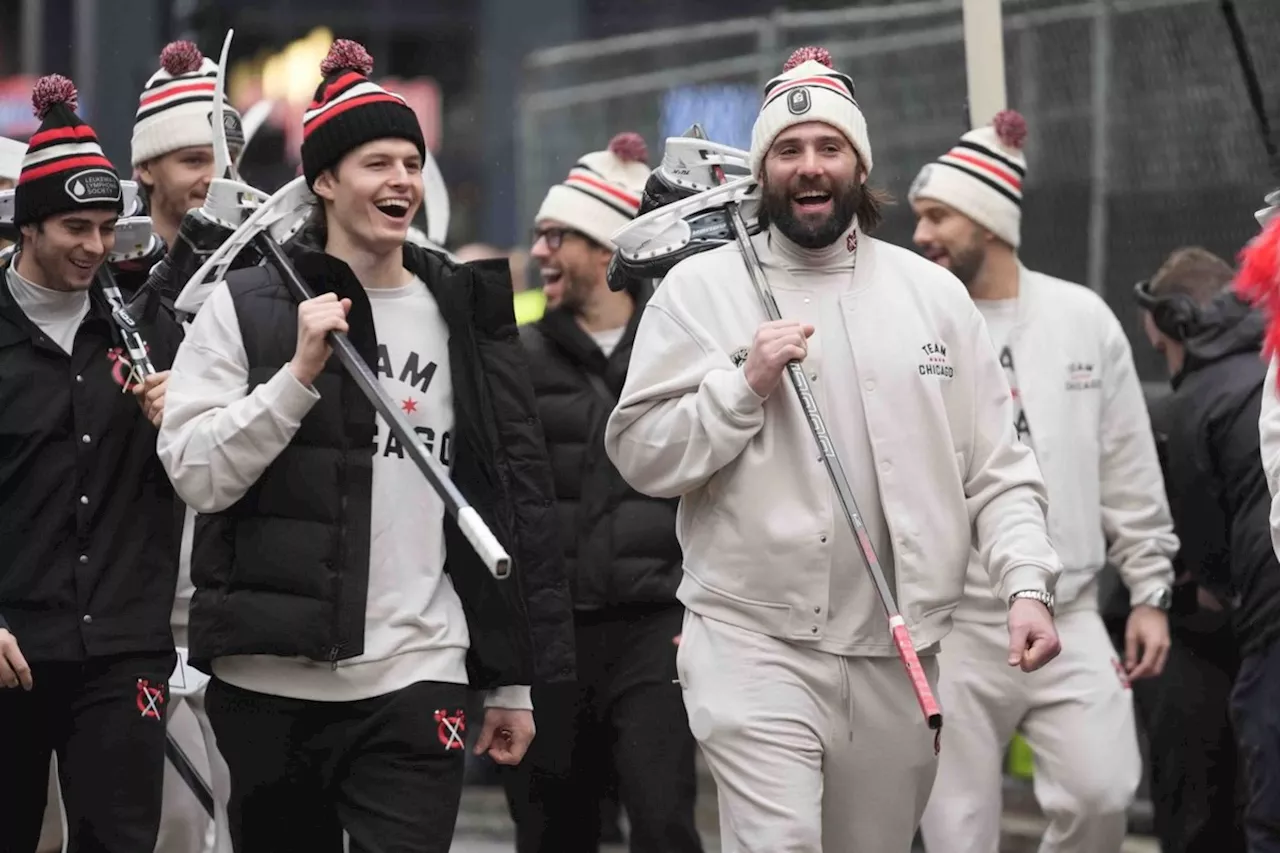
(349, 110)
(981, 176)
(175, 108)
(64, 169)
(602, 192)
(809, 89)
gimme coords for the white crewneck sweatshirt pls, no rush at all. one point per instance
(216, 440)
(824, 284)
(57, 313)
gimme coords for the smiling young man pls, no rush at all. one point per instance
(341, 613)
(87, 524)
(1078, 405)
(791, 680)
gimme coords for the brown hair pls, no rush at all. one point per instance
(1194, 272)
(871, 208)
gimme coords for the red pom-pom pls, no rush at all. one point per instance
(819, 55)
(629, 148)
(347, 55)
(53, 90)
(1011, 128)
(1258, 280)
(181, 57)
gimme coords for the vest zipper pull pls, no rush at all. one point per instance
(333, 658)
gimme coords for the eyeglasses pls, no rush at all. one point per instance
(553, 236)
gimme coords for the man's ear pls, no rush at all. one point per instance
(143, 175)
(324, 185)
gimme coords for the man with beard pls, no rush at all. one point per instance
(621, 551)
(1078, 405)
(87, 522)
(791, 680)
(340, 610)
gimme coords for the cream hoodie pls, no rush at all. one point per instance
(1093, 441)
(757, 513)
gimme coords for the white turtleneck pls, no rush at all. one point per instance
(824, 279)
(57, 313)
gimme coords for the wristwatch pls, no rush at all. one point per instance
(1045, 598)
(1161, 599)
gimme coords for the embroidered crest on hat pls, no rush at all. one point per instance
(64, 168)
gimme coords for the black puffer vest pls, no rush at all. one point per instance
(285, 570)
(620, 546)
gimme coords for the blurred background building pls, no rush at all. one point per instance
(1141, 137)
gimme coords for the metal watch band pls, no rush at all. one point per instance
(1034, 594)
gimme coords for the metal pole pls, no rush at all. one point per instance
(85, 57)
(32, 37)
(1102, 47)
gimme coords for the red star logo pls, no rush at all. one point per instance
(410, 405)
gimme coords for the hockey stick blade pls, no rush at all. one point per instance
(468, 520)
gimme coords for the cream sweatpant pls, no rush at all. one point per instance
(810, 751)
(1076, 714)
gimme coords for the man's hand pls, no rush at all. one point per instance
(316, 319)
(1147, 632)
(506, 735)
(13, 666)
(1033, 639)
(150, 395)
(776, 343)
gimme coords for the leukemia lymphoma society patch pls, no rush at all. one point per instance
(94, 185)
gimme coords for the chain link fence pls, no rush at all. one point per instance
(1141, 137)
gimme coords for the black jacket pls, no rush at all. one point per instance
(1217, 488)
(620, 546)
(313, 503)
(88, 533)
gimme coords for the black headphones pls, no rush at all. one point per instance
(1177, 315)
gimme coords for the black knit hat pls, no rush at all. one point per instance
(349, 110)
(64, 168)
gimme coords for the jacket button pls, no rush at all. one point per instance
(817, 610)
(84, 558)
(871, 384)
(814, 629)
(88, 620)
(824, 539)
(531, 420)
(84, 499)
(79, 378)
(86, 439)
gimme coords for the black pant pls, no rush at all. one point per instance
(105, 719)
(1255, 707)
(1191, 744)
(388, 770)
(626, 709)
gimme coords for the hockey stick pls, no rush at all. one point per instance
(835, 471)
(182, 764)
(469, 521)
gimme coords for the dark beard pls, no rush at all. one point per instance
(812, 235)
(967, 261)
